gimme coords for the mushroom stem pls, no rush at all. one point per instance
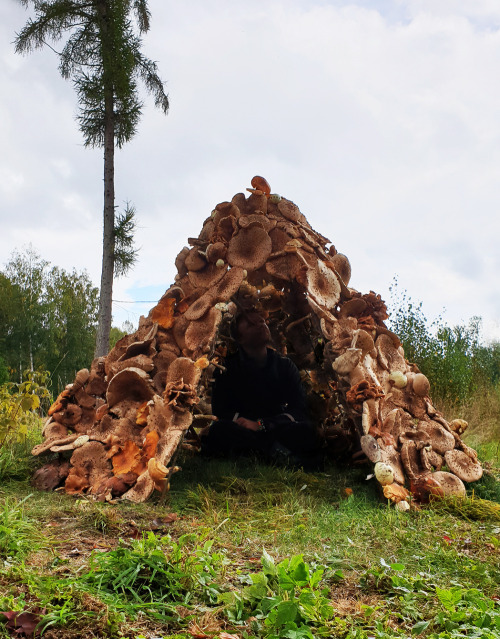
(209, 418)
(219, 366)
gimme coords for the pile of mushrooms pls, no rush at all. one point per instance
(117, 428)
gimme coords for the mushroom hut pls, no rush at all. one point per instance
(118, 427)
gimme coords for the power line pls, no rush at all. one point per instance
(135, 301)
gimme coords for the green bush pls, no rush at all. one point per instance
(454, 359)
(20, 405)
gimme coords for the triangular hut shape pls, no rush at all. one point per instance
(118, 427)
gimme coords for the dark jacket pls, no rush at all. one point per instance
(245, 390)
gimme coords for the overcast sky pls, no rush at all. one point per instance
(380, 120)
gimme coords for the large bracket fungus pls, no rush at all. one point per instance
(117, 428)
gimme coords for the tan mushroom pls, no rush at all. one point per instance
(463, 466)
(69, 416)
(207, 277)
(249, 248)
(216, 251)
(459, 426)
(439, 438)
(194, 260)
(346, 362)
(342, 267)
(389, 357)
(180, 261)
(420, 384)
(130, 383)
(410, 459)
(323, 285)
(289, 210)
(200, 306)
(370, 448)
(184, 369)
(201, 333)
(81, 379)
(451, 485)
(228, 285)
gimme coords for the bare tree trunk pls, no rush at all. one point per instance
(108, 238)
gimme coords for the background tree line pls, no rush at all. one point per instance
(459, 365)
(48, 319)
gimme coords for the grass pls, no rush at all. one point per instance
(196, 566)
(252, 551)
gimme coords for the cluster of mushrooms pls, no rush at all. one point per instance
(116, 430)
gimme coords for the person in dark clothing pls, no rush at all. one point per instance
(259, 400)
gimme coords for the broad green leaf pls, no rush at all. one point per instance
(419, 627)
(286, 611)
(449, 598)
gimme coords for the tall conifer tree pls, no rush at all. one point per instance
(102, 55)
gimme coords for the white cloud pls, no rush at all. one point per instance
(380, 120)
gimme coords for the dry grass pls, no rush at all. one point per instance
(482, 412)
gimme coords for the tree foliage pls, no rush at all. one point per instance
(47, 318)
(455, 359)
(102, 55)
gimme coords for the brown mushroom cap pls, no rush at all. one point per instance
(194, 261)
(363, 340)
(451, 485)
(69, 416)
(228, 285)
(289, 210)
(90, 467)
(142, 489)
(81, 378)
(421, 385)
(130, 383)
(200, 306)
(201, 333)
(180, 261)
(246, 221)
(284, 267)
(440, 439)
(342, 266)
(370, 448)
(216, 251)
(461, 465)
(183, 369)
(207, 277)
(249, 248)
(353, 307)
(320, 312)
(431, 459)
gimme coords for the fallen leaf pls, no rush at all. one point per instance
(24, 623)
